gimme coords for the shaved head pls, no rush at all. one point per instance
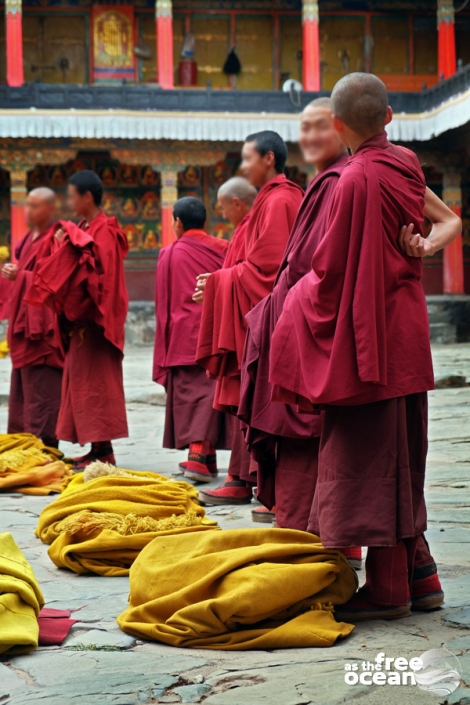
(43, 194)
(238, 187)
(319, 103)
(360, 101)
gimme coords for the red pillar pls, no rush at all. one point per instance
(447, 59)
(18, 193)
(164, 20)
(168, 197)
(14, 42)
(310, 46)
(453, 268)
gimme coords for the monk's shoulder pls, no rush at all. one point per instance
(353, 180)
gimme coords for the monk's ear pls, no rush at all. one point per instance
(389, 116)
(338, 124)
(270, 159)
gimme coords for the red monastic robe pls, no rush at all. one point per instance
(268, 421)
(5, 291)
(83, 281)
(190, 416)
(36, 355)
(355, 332)
(232, 292)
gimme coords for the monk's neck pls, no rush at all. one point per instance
(272, 174)
(91, 215)
(323, 166)
(40, 229)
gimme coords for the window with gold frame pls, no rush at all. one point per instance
(342, 48)
(390, 45)
(290, 54)
(212, 35)
(254, 40)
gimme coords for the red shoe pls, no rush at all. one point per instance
(233, 491)
(354, 556)
(104, 455)
(426, 590)
(197, 471)
(360, 609)
(263, 515)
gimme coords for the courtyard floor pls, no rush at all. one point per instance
(100, 665)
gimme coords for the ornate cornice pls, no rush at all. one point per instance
(163, 8)
(13, 7)
(309, 10)
(445, 12)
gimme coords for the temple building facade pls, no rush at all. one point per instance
(158, 96)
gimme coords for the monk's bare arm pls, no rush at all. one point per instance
(446, 227)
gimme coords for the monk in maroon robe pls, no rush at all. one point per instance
(232, 292)
(190, 421)
(284, 442)
(83, 281)
(5, 285)
(37, 359)
(353, 337)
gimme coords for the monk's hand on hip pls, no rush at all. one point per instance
(198, 296)
(10, 271)
(59, 235)
(413, 244)
(201, 281)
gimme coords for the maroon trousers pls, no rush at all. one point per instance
(372, 458)
(190, 416)
(295, 480)
(92, 409)
(241, 466)
(35, 401)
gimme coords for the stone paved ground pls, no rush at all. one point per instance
(100, 665)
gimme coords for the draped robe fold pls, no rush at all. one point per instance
(37, 358)
(354, 332)
(190, 416)
(268, 422)
(83, 282)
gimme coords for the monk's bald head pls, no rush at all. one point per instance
(236, 197)
(360, 101)
(323, 102)
(40, 208)
(238, 187)
(43, 194)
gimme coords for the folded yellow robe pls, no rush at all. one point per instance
(20, 600)
(239, 589)
(30, 467)
(101, 526)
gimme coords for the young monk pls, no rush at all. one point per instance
(37, 359)
(83, 281)
(232, 292)
(284, 442)
(354, 336)
(190, 419)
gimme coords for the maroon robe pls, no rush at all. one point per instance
(83, 281)
(5, 292)
(190, 416)
(232, 292)
(354, 333)
(37, 358)
(268, 422)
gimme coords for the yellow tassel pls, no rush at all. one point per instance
(125, 525)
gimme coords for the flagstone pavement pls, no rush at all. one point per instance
(98, 664)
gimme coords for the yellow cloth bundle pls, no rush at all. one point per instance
(101, 526)
(30, 467)
(20, 600)
(239, 589)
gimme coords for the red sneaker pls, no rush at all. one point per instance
(263, 515)
(361, 609)
(105, 455)
(197, 471)
(426, 590)
(233, 491)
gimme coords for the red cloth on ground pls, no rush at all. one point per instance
(34, 403)
(31, 330)
(54, 626)
(84, 277)
(371, 468)
(268, 421)
(190, 415)
(232, 292)
(92, 407)
(355, 329)
(178, 316)
(5, 292)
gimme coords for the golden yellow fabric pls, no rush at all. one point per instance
(30, 467)
(20, 600)
(238, 589)
(86, 534)
(4, 348)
